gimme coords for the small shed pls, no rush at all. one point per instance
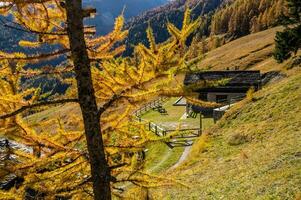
(236, 85)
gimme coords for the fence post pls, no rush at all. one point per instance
(149, 126)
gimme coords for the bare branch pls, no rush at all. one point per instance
(45, 103)
(108, 104)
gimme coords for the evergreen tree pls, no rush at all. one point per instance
(288, 42)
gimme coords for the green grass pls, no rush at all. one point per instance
(160, 157)
(265, 165)
(174, 112)
(173, 119)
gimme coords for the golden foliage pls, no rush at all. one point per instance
(54, 160)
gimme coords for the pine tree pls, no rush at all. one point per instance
(288, 42)
(104, 150)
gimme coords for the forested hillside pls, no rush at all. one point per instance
(247, 16)
(229, 18)
(158, 18)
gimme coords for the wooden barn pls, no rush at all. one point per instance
(234, 88)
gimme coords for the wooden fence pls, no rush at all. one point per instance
(151, 105)
(162, 132)
(184, 136)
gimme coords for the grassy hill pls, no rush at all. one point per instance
(250, 52)
(254, 152)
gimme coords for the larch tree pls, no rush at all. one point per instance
(238, 18)
(92, 155)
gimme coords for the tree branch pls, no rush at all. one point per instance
(108, 104)
(46, 103)
(39, 56)
(27, 30)
(68, 69)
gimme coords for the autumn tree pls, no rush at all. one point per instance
(103, 151)
(246, 16)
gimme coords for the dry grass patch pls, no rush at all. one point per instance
(250, 52)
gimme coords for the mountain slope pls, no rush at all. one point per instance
(254, 152)
(157, 18)
(108, 10)
(254, 51)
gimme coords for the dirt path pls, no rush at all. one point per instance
(182, 158)
(168, 154)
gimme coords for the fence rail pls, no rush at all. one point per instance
(162, 132)
(151, 105)
(183, 133)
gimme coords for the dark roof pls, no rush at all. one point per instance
(239, 81)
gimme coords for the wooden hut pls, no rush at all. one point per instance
(232, 89)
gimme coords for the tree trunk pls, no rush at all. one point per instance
(99, 167)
